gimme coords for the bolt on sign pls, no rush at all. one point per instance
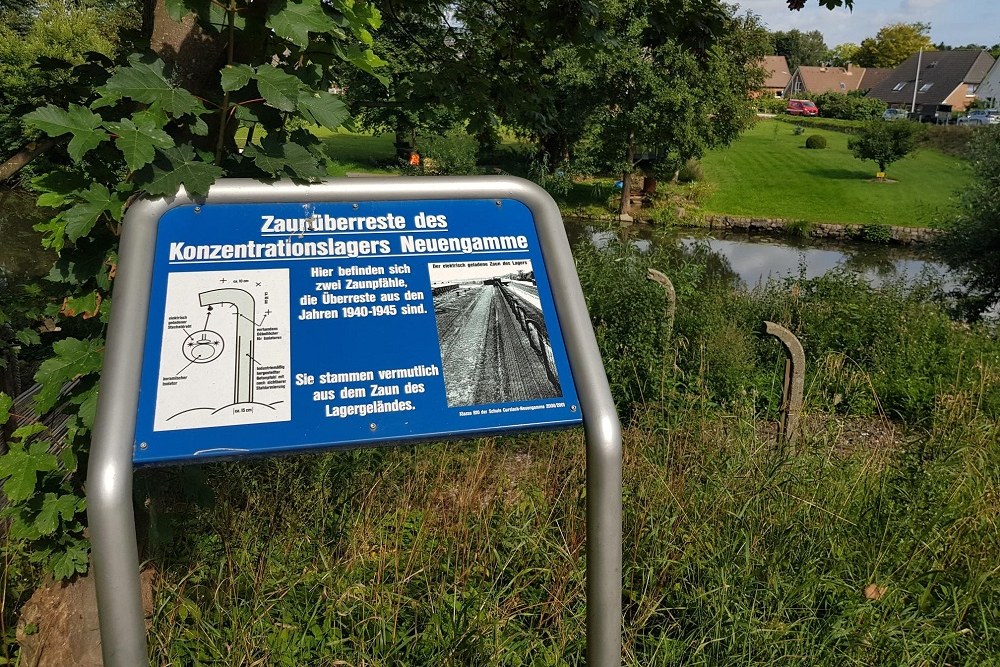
(278, 318)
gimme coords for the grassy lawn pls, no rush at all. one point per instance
(768, 172)
(350, 152)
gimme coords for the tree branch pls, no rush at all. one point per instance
(24, 156)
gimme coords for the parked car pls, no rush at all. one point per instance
(894, 114)
(802, 108)
(981, 117)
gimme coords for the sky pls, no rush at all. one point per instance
(954, 22)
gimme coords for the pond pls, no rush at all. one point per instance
(21, 254)
(755, 258)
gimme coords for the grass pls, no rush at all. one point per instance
(353, 152)
(769, 173)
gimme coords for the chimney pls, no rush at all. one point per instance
(848, 67)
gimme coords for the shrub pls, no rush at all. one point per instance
(850, 106)
(691, 172)
(876, 233)
(451, 154)
(773, 105)
(800, 228)
(816, 141)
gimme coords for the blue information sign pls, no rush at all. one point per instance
(287, 326)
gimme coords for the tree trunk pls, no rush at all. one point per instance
(24, 156)
(623, 205)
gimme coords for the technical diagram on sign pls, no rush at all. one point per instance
(224, 356)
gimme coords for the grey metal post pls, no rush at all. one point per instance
(604, 444)
(109, 475)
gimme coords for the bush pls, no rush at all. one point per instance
(773, 105)
(816, 141)
(691, 172)
(451, 154)
(876, 233)
(834, 124)
(850, 106)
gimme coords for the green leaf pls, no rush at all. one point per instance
(53, 506)
(185, 169)
(73, 357)
(235, 77)
(81, 218)
(137, 140)
(324, 109)
(295, 20)
(72, 561)
(279, 89)
(6, 403)
(20, 468)
(143, 81)
(88, 408)
(279, 159)
(81, 122)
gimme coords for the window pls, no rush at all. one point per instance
(970, 90)
(779, 93)
(900, 85)
(843, 86)
(798, 86)
(927, 86)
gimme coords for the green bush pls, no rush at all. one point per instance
(773, 105)
(451, 154)
(816, 141)
(850, 106)
(691, 172)
(833, 124)
(876, 233)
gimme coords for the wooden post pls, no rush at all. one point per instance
(794, 384)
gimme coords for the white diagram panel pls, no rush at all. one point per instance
(224, 357)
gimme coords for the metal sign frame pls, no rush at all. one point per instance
(109, 480)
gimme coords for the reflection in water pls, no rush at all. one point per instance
(756, 258)
(21, 252)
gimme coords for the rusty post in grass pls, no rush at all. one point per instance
(668, 287)
(792, 390)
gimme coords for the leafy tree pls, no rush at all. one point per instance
(842, 54)
(801, 48)
(662, 97)
(884, 143)
(972, 243)
(59, 37)
(893, 44)
(160, 119)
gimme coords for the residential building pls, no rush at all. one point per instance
(777, 76)
(944, 81)
(810, 80)
(989, 89)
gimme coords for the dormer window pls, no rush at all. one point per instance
(927, 86)
(970, 89)
(843, 86)
(900, 85)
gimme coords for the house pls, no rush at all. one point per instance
(776, 76)
(810, 80)
(989, 89)
(943, 80)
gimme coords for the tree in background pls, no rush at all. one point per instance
(801, 48)
(893, 44)
(842, 54)
(670, 99)
(971, 245)
(884, 143)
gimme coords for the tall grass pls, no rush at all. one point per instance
(737, 551)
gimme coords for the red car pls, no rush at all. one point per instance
(802, 108)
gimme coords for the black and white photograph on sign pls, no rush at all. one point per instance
(495, 347)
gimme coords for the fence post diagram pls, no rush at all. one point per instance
(246, 325)
(224, 356)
